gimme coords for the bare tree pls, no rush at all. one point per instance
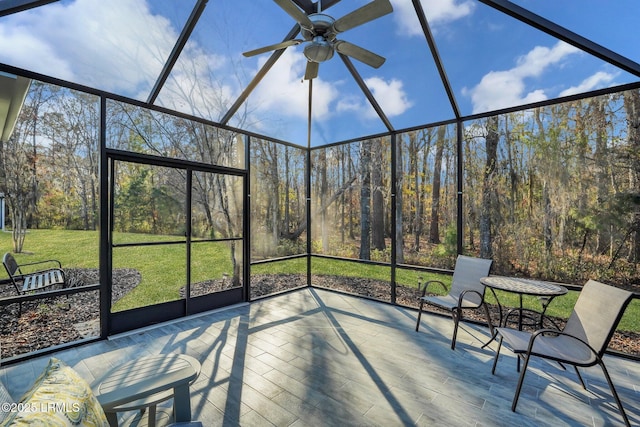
(399, 191)
(18, 163)
(365, 199)
(434, 231)
(377, 194)
(492, 138)
(632, 108)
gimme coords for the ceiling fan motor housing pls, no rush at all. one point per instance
(320, 48)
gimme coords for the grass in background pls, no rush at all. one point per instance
(163, 268)
(74, 248)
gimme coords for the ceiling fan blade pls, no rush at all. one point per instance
(312, 70)
(366, 13)
(269, 48)
(359, 53)
(294, 11)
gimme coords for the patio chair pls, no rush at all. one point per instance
(34, 280)
(583, 340)
(38, 276)
(467, 293)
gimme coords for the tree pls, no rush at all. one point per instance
(18, 164)
(365, 199)
(72, 127)
(322, 196)
(399, 191)
(434, 231)
(632, 109)
(377, 205)
(491, 140)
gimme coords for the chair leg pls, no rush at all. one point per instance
(456, 313)
(495, 359)
(615, 393)
(419, 315)
(579, 377)
(520, 382)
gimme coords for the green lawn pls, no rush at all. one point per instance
(163, 272)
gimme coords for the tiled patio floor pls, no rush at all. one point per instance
(318, 358)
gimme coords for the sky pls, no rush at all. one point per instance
(491, 60)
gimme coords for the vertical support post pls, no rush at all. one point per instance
(187, 235)
(394, 191)
(246, 219)
(459, 173)
(307, 177)
(106, 211)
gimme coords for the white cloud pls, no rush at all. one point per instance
(437, 12)
(539, 58)
(27, 50)
(118, 46)
(390, 95)
(121, 45)
(93, 42)
(502, 89)
(284, 90)
(598, 80)
(348, 103)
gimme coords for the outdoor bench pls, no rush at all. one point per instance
(36, 280)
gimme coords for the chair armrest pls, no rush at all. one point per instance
(428, 282)
(466, 291)
(540, 332)
(58, 263)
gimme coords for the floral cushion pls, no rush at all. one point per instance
(59, 397)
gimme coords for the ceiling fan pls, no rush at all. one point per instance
(319, 31)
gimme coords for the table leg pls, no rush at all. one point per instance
(151, 416)
(182, 403)
(545, 301)
(499, 307)
(112, 418)
(520, 313)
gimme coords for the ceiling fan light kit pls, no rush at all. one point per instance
(319, 31)
(319, 50)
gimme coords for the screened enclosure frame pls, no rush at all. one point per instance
(458, 120)
(105, 154)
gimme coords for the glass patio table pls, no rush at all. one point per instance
(545, 291)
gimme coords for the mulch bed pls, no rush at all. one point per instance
(66, 319)
(50, 322)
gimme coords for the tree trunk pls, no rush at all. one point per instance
(303, 225)
(287, 212)
(342, 160)
(632, 108)
(492, 139)
(417, 220)
(350, 196)
(377, 212)
(434, 229)
(546, 199)
(398, 206)
(322, 171)
(365, 200)
(600, 158)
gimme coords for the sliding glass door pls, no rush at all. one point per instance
(177, 240)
